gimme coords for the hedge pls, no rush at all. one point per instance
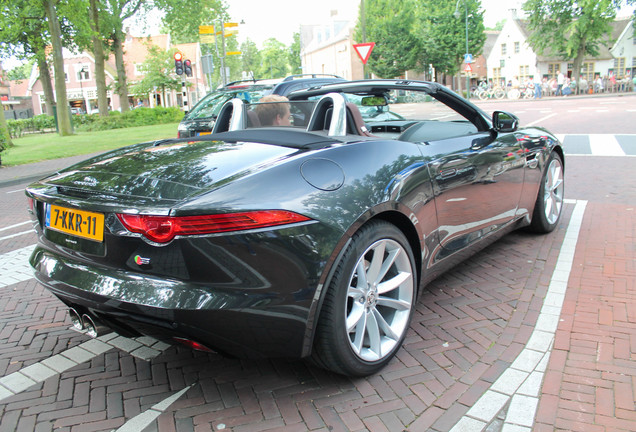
(135, 117)
(94, 122)
(40, 123)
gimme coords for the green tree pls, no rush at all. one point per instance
(63, 113)
(5, 136)
(250, 59)
(274, 60)
(158, 72)
(117, 12)
(182, 19)
(391, 25)
(294, 55)
(570, 29)
(24, 33)
(88, 19)
(498, 26)
(22, 72)
(443, 33)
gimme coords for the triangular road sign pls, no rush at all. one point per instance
(364, 50)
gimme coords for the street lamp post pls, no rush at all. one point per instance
(457, 15)
(81, 74)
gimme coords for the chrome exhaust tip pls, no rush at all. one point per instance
(92, 327)
(75, 319)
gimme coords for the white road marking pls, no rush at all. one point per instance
(605, 145)
(542, 119)
(143, 420)
(16, 235)
(521, 382)
(143, 347)
(14, 225)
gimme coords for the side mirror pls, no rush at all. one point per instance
(504, 122)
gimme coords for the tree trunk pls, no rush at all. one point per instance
(63, 113)
(98, 52)
(576, 72)
(45, 79)
(122, 85)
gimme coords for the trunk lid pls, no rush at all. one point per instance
(165, 172)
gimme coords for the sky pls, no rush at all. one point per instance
(281, 18)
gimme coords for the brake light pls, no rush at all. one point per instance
(162, 229)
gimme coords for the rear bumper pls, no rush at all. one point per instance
(249, 324)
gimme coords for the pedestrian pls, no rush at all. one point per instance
(566, 88)
(598, 84)
(560, 82)
(537, 89)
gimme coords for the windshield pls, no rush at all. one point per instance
(400, 105)
(210, 105)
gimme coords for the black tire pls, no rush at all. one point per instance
(549, 204)
(381, 307)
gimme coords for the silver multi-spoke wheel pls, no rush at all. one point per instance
(379, 300)
(369, 302)
(553, 191)
(549, 205)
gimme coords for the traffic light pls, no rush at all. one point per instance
(178, 63)
(187, 67)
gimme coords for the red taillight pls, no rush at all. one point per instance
(31, 204)
(162, 229)
(192, 344)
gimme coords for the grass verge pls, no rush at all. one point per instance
(39, 147)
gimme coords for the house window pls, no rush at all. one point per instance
(496, 76)
(619, 67)
(553, 69)
(82, 72)
(503, 49)
(587, 71)
(138, 68)
(524, 72)
(517, 47)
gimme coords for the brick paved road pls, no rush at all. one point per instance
(470, 328)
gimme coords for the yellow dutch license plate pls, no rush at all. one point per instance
(75, 222)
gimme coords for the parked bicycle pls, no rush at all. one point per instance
(484, 93)
(526, 92)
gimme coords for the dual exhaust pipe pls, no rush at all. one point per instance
(86, 323)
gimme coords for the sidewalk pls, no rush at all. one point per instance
(590, 383)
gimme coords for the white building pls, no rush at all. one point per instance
(513, 57)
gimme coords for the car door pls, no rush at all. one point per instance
(477, 182)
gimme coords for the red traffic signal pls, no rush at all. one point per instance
(187, 67)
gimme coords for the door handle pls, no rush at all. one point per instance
(449, 172)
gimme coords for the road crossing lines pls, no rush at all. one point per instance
(605, 145)
(598, 144)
